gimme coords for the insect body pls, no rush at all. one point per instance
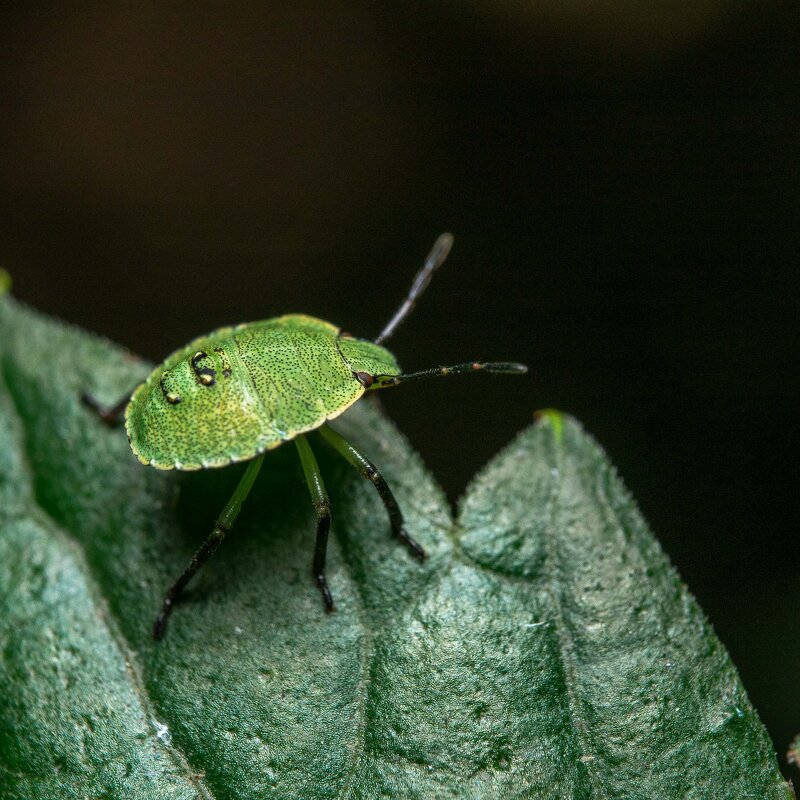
(241, 391)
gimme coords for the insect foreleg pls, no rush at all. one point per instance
(221, 529)
(357, 459)
(322, 505)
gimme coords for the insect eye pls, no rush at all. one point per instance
(365, 379)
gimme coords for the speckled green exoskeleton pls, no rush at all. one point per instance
(235, 394)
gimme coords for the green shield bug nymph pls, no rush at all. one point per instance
(241, 391)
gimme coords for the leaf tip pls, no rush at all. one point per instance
(5, 282)
(552, 417)
(793, 755)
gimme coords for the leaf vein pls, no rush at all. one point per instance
(565, 644)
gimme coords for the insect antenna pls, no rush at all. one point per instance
(441, 247)
(497, 367)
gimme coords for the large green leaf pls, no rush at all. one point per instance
(546, 648)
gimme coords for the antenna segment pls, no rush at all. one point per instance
(435, 259)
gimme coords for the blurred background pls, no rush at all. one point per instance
(621, 179)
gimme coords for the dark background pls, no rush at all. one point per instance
(621, 179)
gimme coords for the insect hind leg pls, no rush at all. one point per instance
(109, 415)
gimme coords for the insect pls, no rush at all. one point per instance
(241, 391)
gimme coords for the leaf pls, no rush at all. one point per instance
(545, 649)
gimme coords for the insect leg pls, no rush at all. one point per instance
(110, 415)
(222, 527)
(370, 472)
(322, 505)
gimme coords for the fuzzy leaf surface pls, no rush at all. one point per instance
(545, 649)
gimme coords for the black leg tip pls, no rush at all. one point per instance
(327, 597)
(414, 547)
(160, 624)
(91, 403)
